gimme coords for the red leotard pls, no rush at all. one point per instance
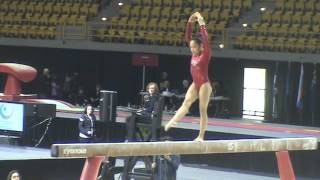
(199, 64)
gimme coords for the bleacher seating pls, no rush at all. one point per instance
(39, 19)
(293, 26)
(164, 21)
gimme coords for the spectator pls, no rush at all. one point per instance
(45, 83)
(166, 166)
(185, 86)
(165, 87)
(164, 84)
(95, 99)
(220, 89)
(214, 84)
(55, 92)
(167, 93)
(177, 101)
(74, 83)
(87, 127)
(66, 89)
(14, 175)
(81, 99)
(165, 90)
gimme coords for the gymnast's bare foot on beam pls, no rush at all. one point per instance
(169, 125)
(199, 139)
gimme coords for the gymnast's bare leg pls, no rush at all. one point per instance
(191, 96)
(200, 88)
(204, 99)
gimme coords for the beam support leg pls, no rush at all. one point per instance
(91, 168)
(284, 165)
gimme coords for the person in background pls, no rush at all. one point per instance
(177, 98)
(45, 83)
(55, 92)
(144, 115)
(166, 166)
(95, 99)
(166, 91)
(81, 99)
(66, 89)
(75, 83)
(165, 83)
(185, 85)
(87, 125)
(14, 175)
(220, 89)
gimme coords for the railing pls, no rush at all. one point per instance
(135, 34)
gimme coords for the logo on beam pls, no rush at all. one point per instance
(75, 151)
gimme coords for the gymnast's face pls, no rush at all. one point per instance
(195, 48)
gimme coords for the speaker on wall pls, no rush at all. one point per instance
(108, 105)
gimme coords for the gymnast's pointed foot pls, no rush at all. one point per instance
(199, 139)
(169, 125)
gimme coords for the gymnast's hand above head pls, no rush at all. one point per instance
(199, 18)
(192, 19)
(197, 14)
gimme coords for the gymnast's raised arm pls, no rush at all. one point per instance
(189, 28)
(204, 34)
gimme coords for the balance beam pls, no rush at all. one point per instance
(183, 147)
(95, 153)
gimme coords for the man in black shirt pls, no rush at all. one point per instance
(145, 115)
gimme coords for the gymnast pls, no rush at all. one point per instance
(200, 88)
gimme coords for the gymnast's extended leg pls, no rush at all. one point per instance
(191, 96)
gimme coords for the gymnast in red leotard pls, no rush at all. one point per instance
(200, 88)
(199, 62)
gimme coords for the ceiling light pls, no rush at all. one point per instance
(263, 9)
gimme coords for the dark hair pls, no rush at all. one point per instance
(155, 85)
(86, 107)
(197, 40)
(11, 173)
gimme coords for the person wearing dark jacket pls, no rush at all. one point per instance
(166, 166)
(87, 130)
(145, 114)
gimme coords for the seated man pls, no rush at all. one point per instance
(145, 115)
